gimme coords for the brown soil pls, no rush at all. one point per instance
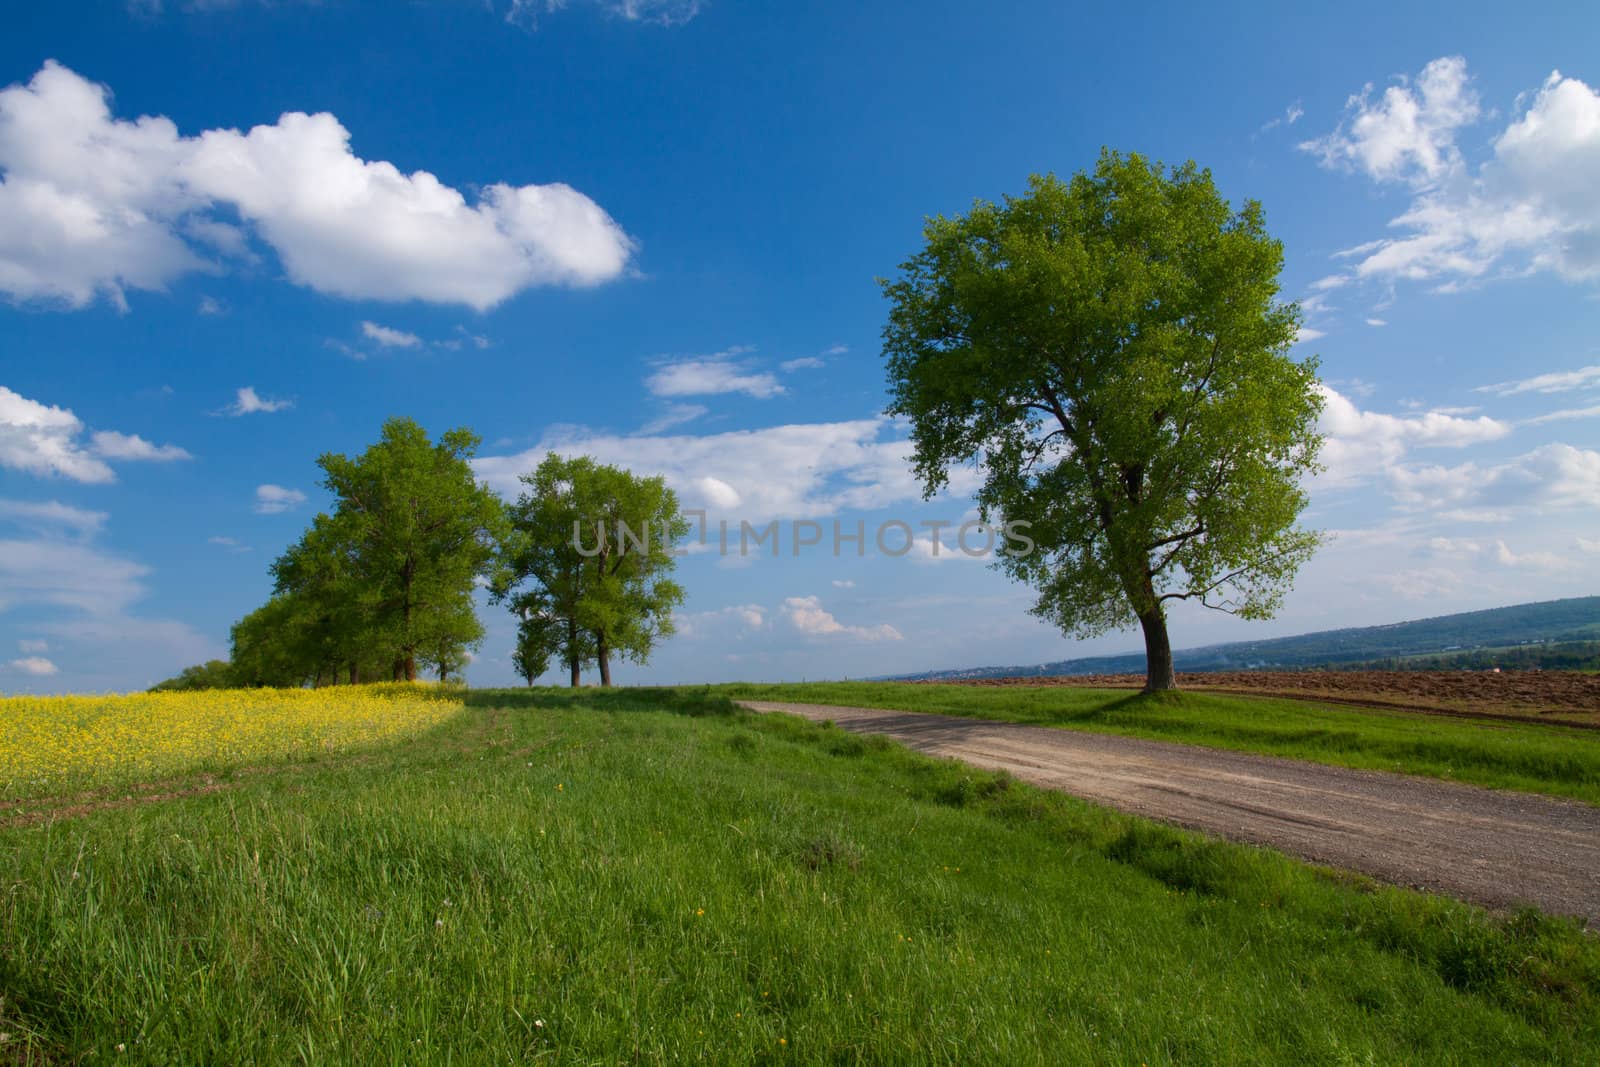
(1497, 848)
(1562, 696)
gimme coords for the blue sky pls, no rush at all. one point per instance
(236, 235)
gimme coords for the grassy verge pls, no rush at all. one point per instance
(1534, 757)
(653, 876)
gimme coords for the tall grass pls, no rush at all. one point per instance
(656, 877)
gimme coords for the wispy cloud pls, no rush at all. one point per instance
(389, 337)
(274, 499)
(248, 402)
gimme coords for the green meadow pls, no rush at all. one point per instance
(656, 876)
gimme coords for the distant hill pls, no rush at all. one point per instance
(1549, 622)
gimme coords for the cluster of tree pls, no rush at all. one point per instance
(212, 674)
(587, 565)
(383, 586)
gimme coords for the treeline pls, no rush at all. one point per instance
(383, 586)
(1559, 656)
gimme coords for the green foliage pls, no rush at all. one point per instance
(1112, 353)
(212, 674)
(386, 581)
(413, 529)
(587, 565)
(651, 877)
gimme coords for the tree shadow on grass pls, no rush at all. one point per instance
(692, 701)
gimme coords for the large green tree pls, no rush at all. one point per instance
(1111, 351)
(415, 530)
(588, 564)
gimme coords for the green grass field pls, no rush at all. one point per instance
(1534, 757)
(651, 876)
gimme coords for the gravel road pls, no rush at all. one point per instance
(1500, 849)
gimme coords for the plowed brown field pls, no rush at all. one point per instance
(1562, 696)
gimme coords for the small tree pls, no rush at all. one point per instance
(539, 640)
(1112, 353)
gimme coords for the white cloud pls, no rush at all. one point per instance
(1552, 476)
(27, 647)
(1360, 444)
(52, 517)
(843, 583)
(526, 13)
(40, 439)
(248, 402)
(674, 415)
(1586, 544)
(1377, 322)
(804, 470)
(807, 615)
(46, 440)
(132, 447)
(803, 363)
(1556, 382)
(94, 205)
(1545, 561)
(1306, 333)
(742, 618)
(710, 375)
(274, 499)
(1529, 207)
(389, 337)
(211, 306)
(1408, 134)
(67, 575)
(37, 666)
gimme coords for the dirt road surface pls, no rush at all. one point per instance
(1499, 849)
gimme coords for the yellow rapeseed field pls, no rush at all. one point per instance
(53, 744)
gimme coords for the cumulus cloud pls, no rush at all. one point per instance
(248, 402)
(803, 363)
(804, 470)
(723, 372)
(808, 616)
(46, 440)
(95, 205)
(37, 666)
(1360, 444)
(1552, 476)
(1528, 207)
(275, 499)
(389, 337)
(132, 447)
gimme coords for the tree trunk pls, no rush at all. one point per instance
(1158, 676)
(572, 653)
(603, 655)
(355, 674)
(411, 667)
